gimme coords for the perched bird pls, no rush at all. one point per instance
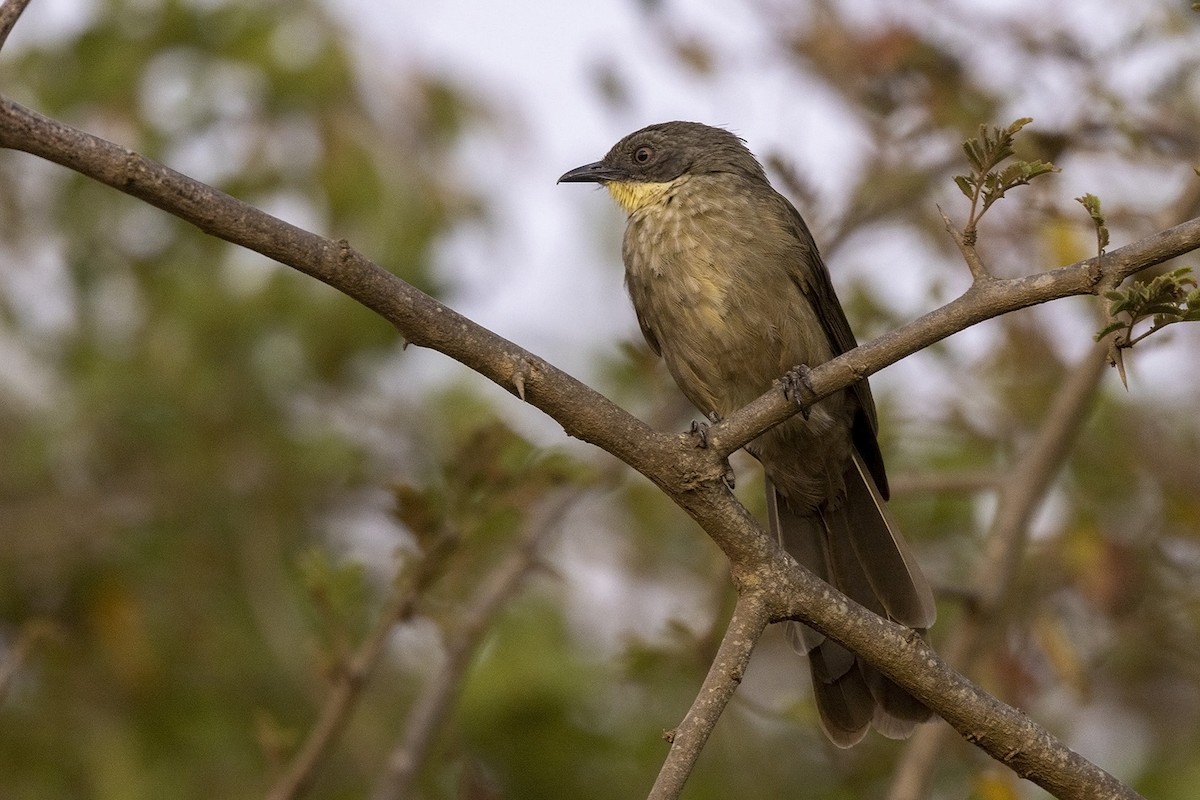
(729, 289)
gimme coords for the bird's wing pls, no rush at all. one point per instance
(816, 285)
(648, 332)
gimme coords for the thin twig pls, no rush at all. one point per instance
(354, 673)
(965, 240)
(745, 627)
(10, 12)
(956, 482)
(432, 707)
(1029, 482)
(19, 651)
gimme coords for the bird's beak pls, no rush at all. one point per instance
(596, 172)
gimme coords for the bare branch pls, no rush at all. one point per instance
(18, 652)
(431, 709)
(10, 12)
(966, 247)
(420, 319)
(963, 482)
(745, 627)
(1005, 733)
(982, 301)
(1030, 480)
(353, 674)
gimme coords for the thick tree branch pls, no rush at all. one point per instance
(1002, 731)
(749, 620)
(420, 319)
(691, 476)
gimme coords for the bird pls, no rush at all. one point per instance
(730, 290)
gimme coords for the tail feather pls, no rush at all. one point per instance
(889, 565)
(804, 538)
(857, 548)
(897, 712)
(845, 705)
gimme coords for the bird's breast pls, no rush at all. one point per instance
(674, 273)
(698, 294)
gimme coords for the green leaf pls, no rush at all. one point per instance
(1163, 300)
(1014, 128)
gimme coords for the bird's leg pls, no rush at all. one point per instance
(797, 386)
(700, 431)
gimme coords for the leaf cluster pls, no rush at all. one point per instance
(988, 182)
(1166, 299)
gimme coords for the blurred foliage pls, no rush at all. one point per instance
(205, 496)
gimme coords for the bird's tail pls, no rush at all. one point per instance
(858, 549)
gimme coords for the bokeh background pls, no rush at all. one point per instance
(214, 472)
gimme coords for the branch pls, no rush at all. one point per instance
(421, 320)
(966, 247)
(10, 12)
(1003, 732)
(17, 653)
(749, 620)
(982, 301)
(1030, 479)
(353, 674)
(961, 482)
(671, 461)
(431, 709)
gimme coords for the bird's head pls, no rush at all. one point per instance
(643, 167)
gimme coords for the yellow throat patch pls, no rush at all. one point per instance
(634, 195)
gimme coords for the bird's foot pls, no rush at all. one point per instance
(797, 386)
(699, 430)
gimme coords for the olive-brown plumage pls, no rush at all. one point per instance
(730, 290)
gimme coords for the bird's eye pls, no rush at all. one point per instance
(643, 155)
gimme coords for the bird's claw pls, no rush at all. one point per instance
(699, 430)
(797, 385)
